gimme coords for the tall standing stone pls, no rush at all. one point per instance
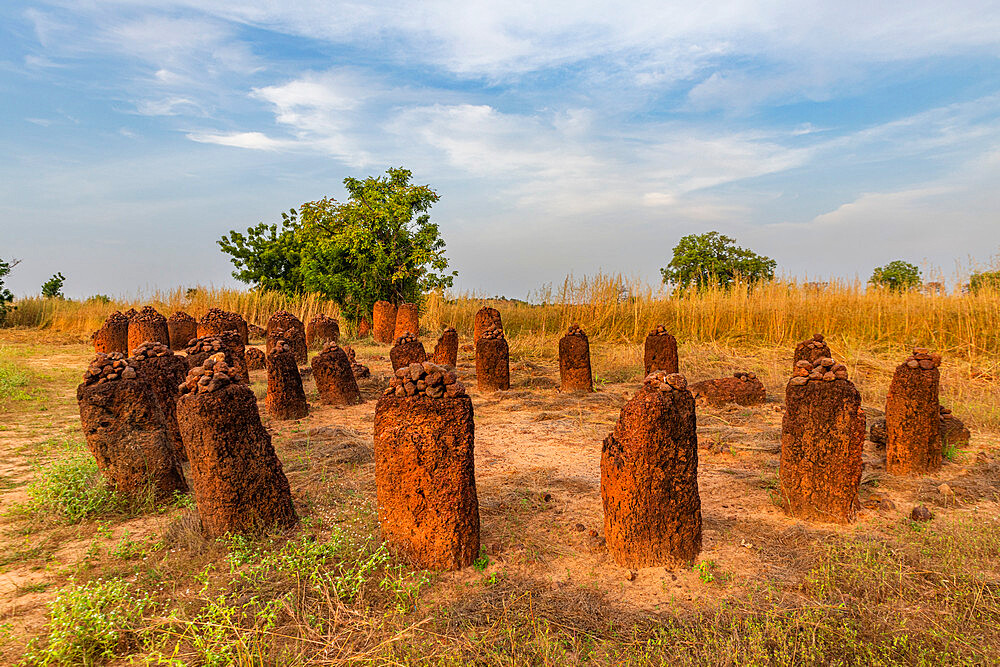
(334, 377)
(446, 349)
(286, 399)
(164, 371)
(407, 320)
(493, 361)
(321, 330)
(181, 329)
(285, 326)
(384, 322)
(660, 351)
(574, 361)
(148, 326)
(486, 318)
(113, 335)
(913, 416)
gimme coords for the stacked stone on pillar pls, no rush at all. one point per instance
(822, 436)
(649, 477)
(360, 370)
(913, 416)
(743, 388)
(286, 399)
(285, 326)
(812, 350)
(425, 475)
(322, 330)
(147, 326)
(164, 371)
(492, 361)
(237, 479)
(407, 350)
(446, 349)
(574, 361)
(218, 321)
(255, 358)
(227, 342)
(660, 351)
(384, 322)
(486, 318)
(407, 320)
(181, 329)
(126, 430)
(335, 382)
(113, 335)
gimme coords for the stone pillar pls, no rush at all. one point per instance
(360, 371)
(239, 485)
(286, 399)
(743, 389)
(425, 476)
(660, 351)
(227, 342)
(255, 359)
(486, 318)
(334, 377)
(812, 350)
(407, 320)
(822, 435)
(364, 327)
(217, 321)
(164, 371)
(649, 477)
(113, 335)
(285, 326)
(181, 329)
(126, 431)
(407, 350)
(148, 326)
(493, 361)
(446, 350)
(574, 361)
(322, 330)
(384, 322)
(913, 416)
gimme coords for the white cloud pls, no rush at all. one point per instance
(251, 140)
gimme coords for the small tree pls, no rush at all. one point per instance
(52, 288)
(896, 276)
(984, 280)
(714, 259)
(5, 295)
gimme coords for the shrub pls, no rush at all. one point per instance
(984, 280)
(72, 489)
(896, 276)
(52, 288)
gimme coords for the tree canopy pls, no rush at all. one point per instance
(5, 294)
(52, 288)
(896, 276)
(378, 245)
(711, 258)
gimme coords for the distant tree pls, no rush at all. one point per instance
(714, 259)
(5, 295)
(99, 298)
(52, 288)
(896, 276)
(984, 280)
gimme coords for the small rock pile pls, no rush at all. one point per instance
(824, 369)
(213, 374)
(255, 358)
(660, 330)
(492, 333)
(210, 344)
(425, 379)
(108, 367)
(575, 330)
(664, 381)
(405, 338)
(745, 376)
(360, 370)
(923, 358)
(150, 350)
(812, 349)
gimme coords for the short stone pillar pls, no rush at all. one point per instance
(255, 359)
(407, 320)
(126, 431)
(164, 371)
(649, 477)
(286, 399)
(364, 327)
(238, 483)
(407, 350)
(486, 318)
(822, 436)
(913, 416)
(446, 349)
(493, 361)
(218, 321)
(384, 322)
(181, 329)
(743, 388)
(425, 476)
(574, 361)
(334, 377)
(113, 335)
(285, 326)
(660, 351)
(227, 342)
(812, 350)
(148, 326)
(255, 332)
(322, 330)
(360, 370)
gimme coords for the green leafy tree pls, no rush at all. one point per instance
(714, 259)
(379, 244)
(896, 276)
(52, 288)
(984, 280)
(5, 295)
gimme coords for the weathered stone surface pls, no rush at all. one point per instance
(407, 350)
(660, 351)
(164, 371)
(649, 477)
(425, 479)
(286, 399)
(218, 321)
(360, 370)
(237, 479)
(446, 350)
(126, 432)
(876, 432)
(148, 326)
(822, 437)
(913, 418)
(486, 318)
(812, 349)
(574, 361)
(334, 377)
(743, 389)
(322, 330)
(954, 432)
(427, 379)
(255, 332)
(407, 320)
(113, 335)
(493, 361)
(364, 327)
(181, 329)
(255, 359)
(285, 326)
(227, 342)
(384, 322)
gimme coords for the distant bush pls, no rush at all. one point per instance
(984, 280)
(5, 296)
(99, 298)
(52, 288)
(896, 276)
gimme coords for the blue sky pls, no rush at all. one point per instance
(563, 137)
